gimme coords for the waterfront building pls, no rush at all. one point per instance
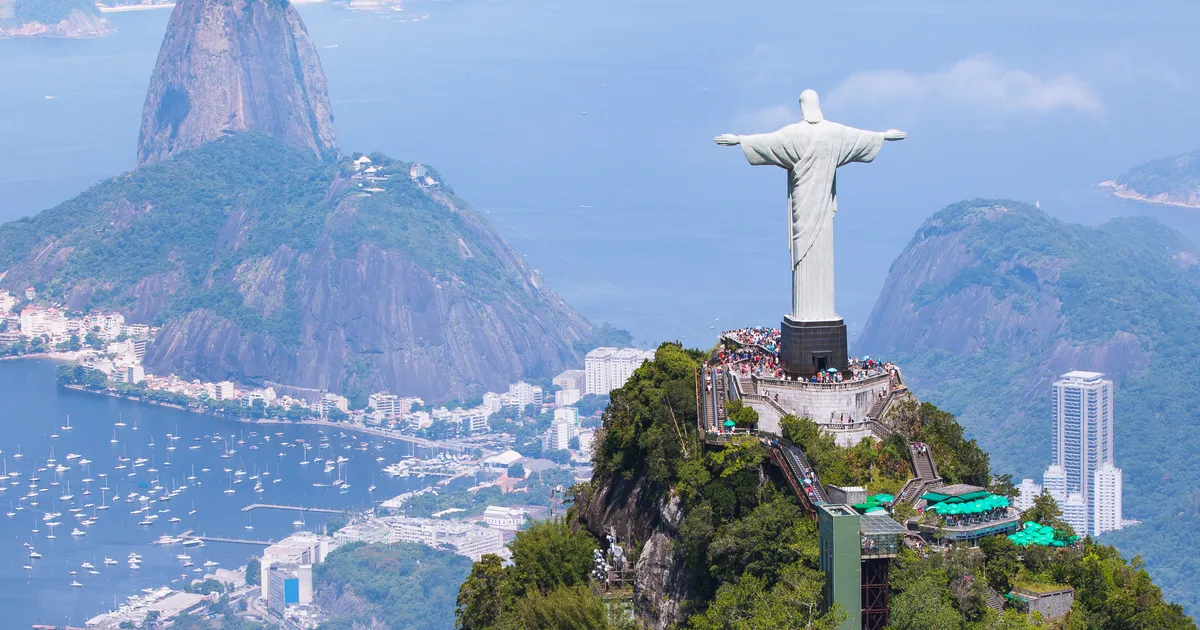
(387, 405)
(301, 548)
(606, 369)
(287, 585)
(501, 461)
(225, 390)
(571, 379)
(1083, 443)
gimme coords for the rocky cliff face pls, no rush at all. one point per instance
(235, 65)
(266, 265)
(52, 18)
(640, 513)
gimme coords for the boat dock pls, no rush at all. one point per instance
(240, 541)
(294, 508)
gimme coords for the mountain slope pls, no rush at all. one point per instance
(265, 264)
(51, 18)
(1173, 181)
(235, 65)
(992, 299)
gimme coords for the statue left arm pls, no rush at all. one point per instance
(859, 145)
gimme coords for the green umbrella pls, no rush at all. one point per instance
(876, 510)
(884, 498)
(729, 424)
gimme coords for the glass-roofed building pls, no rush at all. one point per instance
(966, 514)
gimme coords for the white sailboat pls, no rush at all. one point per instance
(68, 427)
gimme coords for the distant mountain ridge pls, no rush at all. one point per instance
(1172, 181)
(52, 18)
(236, 65)
(268, 258)
(264, 264)
(992, 299)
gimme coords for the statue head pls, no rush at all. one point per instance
(810, 107)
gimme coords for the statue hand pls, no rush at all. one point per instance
(727, 140)
(894, 134)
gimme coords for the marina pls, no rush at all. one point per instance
(109, 507)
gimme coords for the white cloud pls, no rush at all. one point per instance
(981, 84)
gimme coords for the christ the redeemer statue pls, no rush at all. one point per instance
(812, 151)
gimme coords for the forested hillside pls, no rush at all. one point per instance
(992, 299)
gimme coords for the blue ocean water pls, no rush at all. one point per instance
(35, 408)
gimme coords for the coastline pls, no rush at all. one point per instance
(1121, 192)
(57, 357)
(416, 441)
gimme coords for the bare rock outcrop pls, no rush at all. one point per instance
(231, 66)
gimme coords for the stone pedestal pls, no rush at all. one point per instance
(809, 347)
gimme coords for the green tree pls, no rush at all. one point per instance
(550, 554)
(253, 571)
(516, 471)
(1045, 511)
(774, 535)
(564, 608)
(483, 597)
(925, 603)
(743, 416)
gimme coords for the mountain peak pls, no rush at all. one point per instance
(231, 66)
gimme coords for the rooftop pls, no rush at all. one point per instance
(877, 524)
(1080, 375)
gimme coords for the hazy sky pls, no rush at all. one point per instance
(584, 129)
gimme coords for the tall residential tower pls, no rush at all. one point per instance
(1083, 477)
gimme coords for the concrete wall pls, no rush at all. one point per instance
(826, 403)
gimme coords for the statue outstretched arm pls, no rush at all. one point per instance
(728, 140)
(894, 134)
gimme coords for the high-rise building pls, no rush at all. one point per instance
(558, 436)
(606, 369)
(1082, 446)
(1106, 513)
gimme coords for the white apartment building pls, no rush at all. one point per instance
(571, 379)
(386, 404)
(567, 414)
(1083, 442)
(225, 390)
(1106, 510)
(301, 548)
(503, 518)
(606, 369)
(1027, 492)
(565, 397)
(492, 402)
(467, 540)
(523, 394)
(558, 436)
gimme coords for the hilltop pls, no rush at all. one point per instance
(263, 263)
(52, 18)
(992, 299)
(228, 66)
(715, 538)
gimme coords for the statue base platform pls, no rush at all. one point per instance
(806, 348)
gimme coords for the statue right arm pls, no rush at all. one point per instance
(763, 149)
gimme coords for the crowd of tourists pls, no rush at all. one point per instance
(761, 336)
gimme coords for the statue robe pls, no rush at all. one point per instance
(812, 152)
